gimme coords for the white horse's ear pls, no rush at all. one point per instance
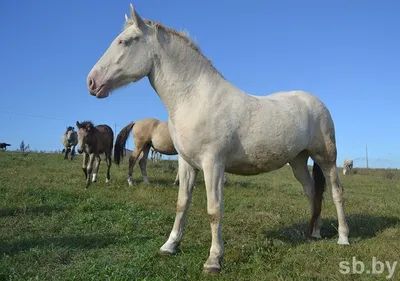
(126, 18)
(135, 17)
(78, 124)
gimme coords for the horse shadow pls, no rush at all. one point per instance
(81, 242)
(44, 210)
(77, 242)
(361, 227)
(162, 182)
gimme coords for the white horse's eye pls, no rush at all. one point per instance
(126, 42)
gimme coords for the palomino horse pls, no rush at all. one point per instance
(215, 126)
(347, 166)
(3, 146)
(147, 133)
(69, 140)
(94, 141)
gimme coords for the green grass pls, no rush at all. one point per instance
(52, 229)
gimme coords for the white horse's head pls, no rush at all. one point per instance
(128, 59)
(71, 134)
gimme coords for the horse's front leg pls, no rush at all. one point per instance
(214, 180)
(72, 152)
(187, 178)
(66, 153)
(84, 163)
(96, 168)
(89, 168)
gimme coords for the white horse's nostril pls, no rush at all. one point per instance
(91, 84)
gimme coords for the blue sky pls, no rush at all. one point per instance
(345, 52)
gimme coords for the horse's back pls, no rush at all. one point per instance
(157, 133)
(299, 107)
(107, 134)
(276, 128)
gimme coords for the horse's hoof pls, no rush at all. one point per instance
(168, 249)
(211, 270)
(314, 236)
(343, 241)
(166, 252)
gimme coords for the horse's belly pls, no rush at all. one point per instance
(164, 146)
(254, 167)
(262, 157)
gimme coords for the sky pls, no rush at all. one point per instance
(344, 52)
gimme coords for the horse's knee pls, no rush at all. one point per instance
(215, 217)
(214, 211)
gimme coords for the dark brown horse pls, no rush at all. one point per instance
(3, 146)
(94, 141)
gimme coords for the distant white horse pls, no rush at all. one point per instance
(69, 140)
(347, 166)
(217, 127)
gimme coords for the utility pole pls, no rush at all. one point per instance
(115, 128)
(366, 154)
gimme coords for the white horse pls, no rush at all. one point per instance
(69, 140)
(217, 127)
(347, 166)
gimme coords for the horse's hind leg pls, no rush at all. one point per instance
(143, 163)
(176, 182)
(108, 161)
(132, 161)
(301, 173)
(96, 168)
(332, 177)
(327, 161)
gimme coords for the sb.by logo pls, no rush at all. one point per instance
(377, 267)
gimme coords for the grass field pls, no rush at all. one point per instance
(52, 229)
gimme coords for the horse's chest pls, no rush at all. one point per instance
(187, 145)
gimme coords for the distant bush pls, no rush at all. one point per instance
(390, 175)
(383, 173)
(24, 149)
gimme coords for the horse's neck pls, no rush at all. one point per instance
(181, 74)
